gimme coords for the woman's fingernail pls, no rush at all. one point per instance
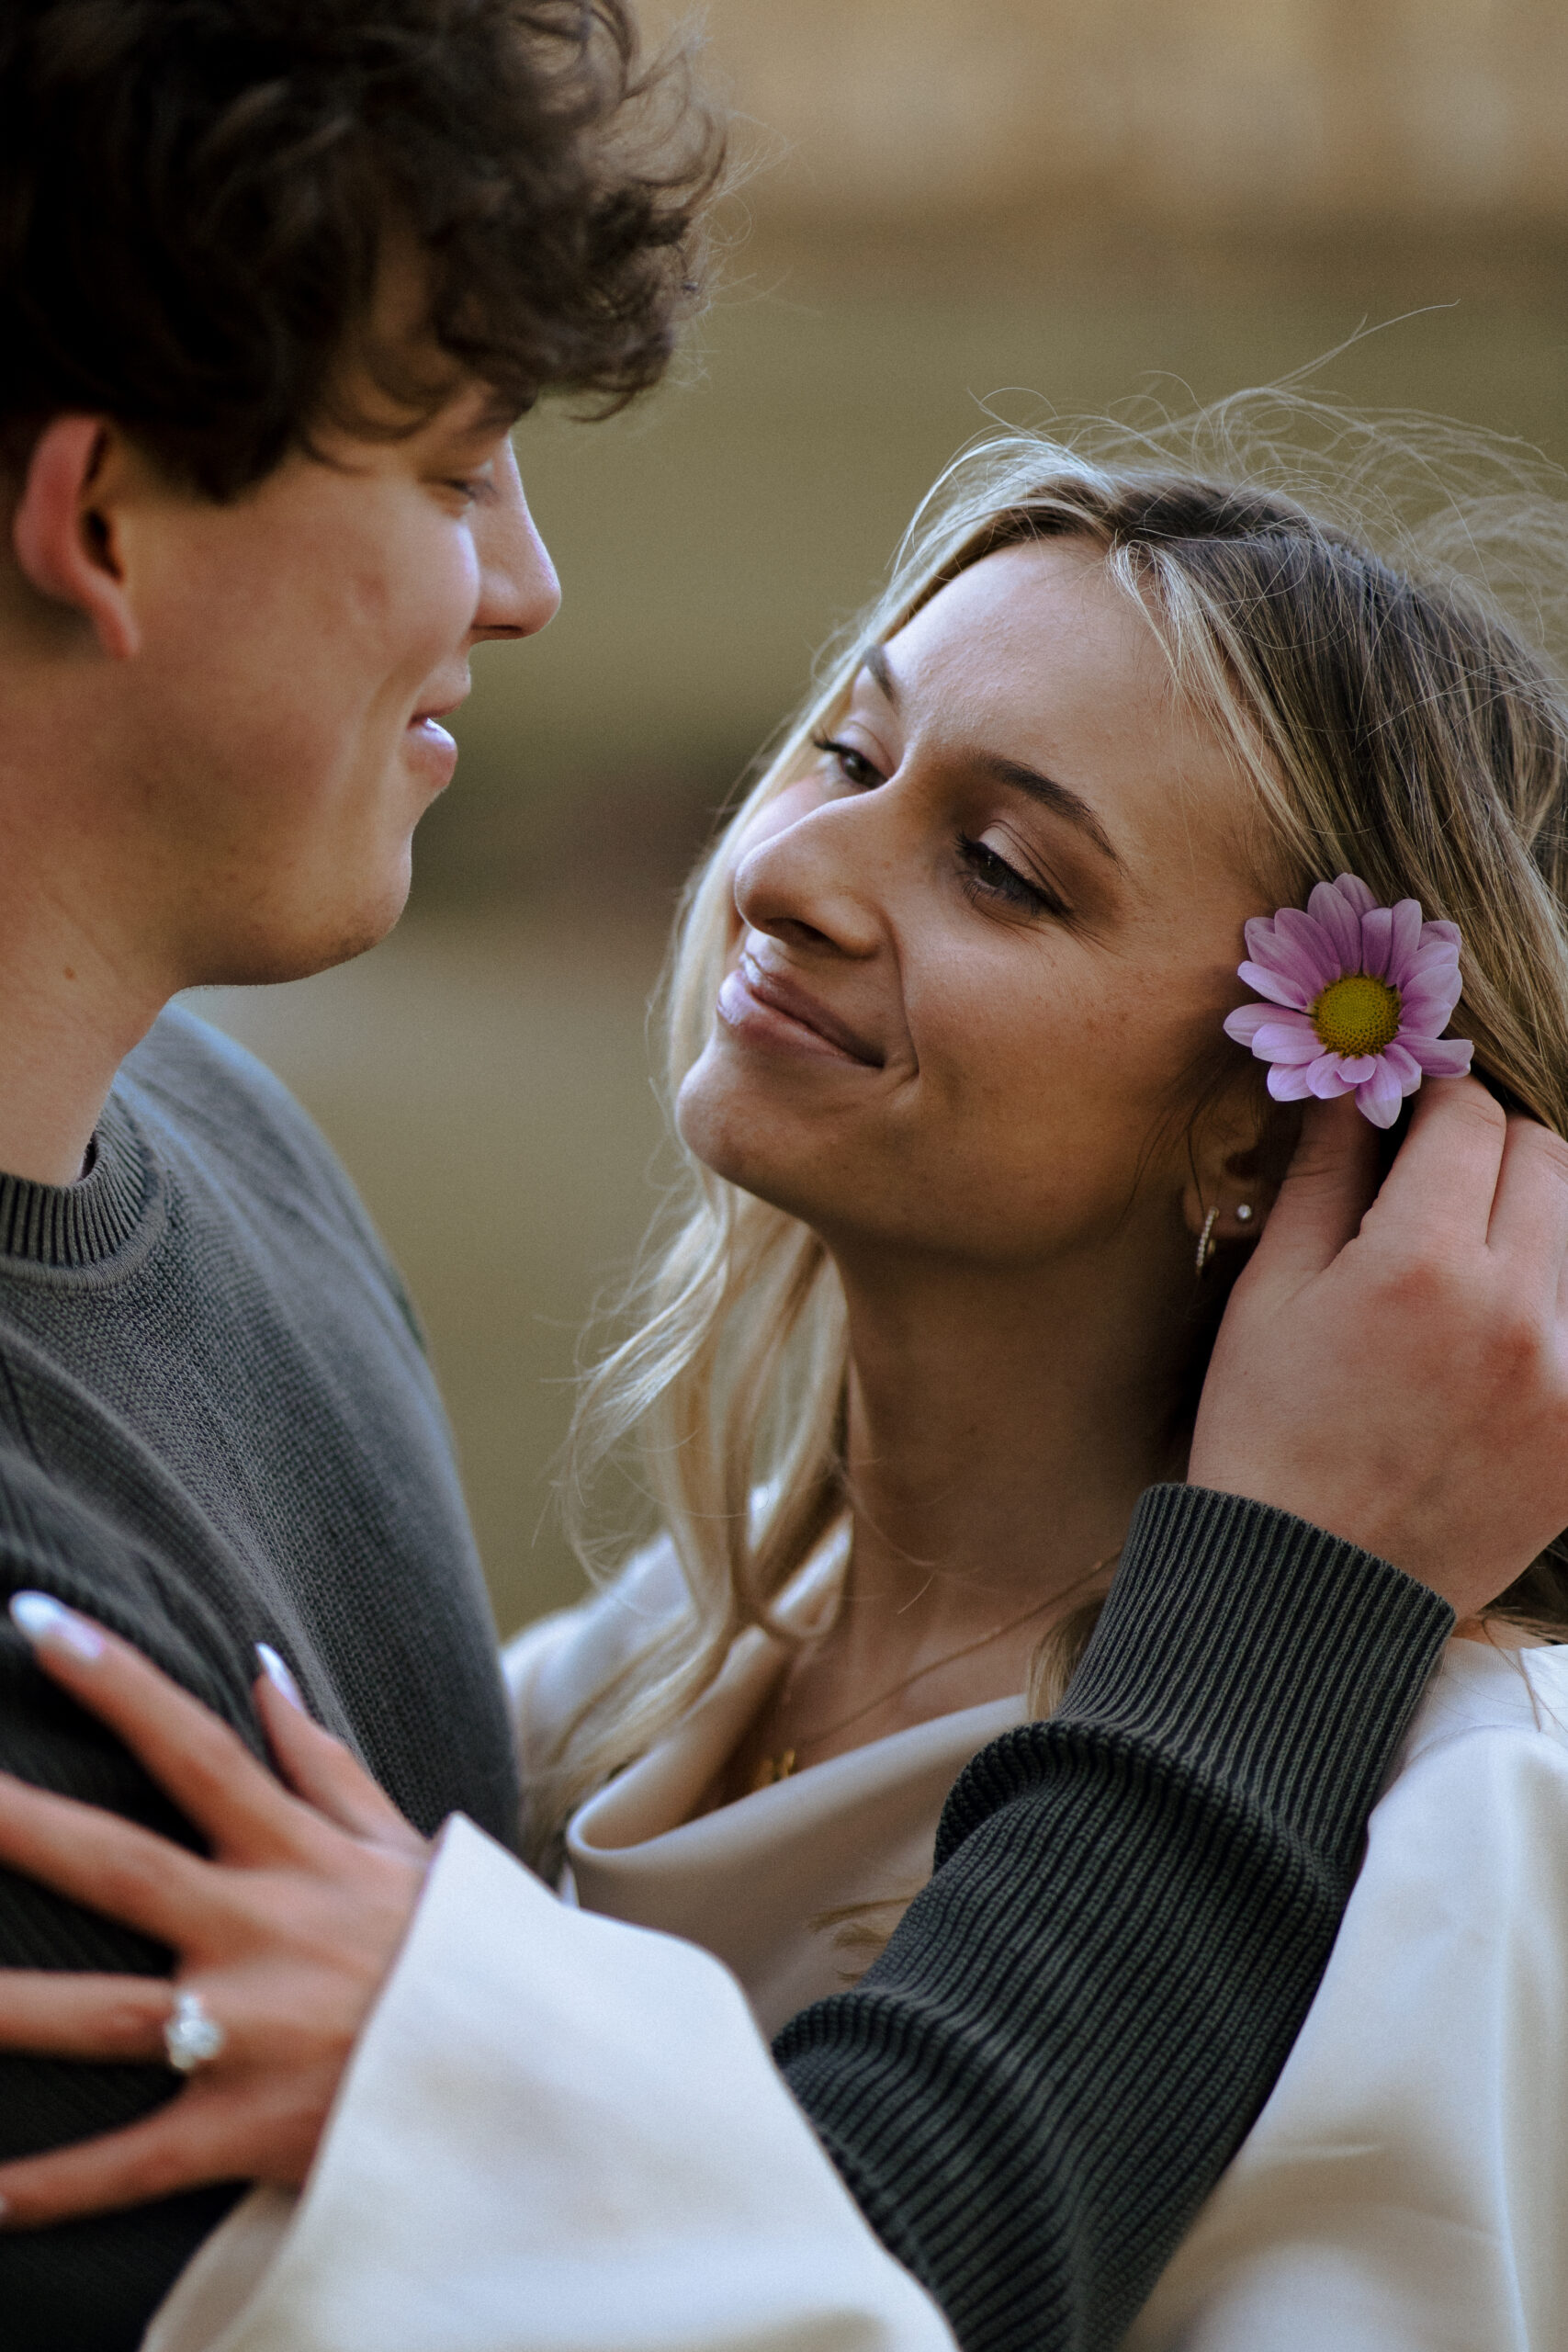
(43, 1619)
(277, 1674)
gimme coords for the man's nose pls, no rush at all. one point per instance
(518, 588)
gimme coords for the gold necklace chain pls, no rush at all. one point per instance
(774, 1769)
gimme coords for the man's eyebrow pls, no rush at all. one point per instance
(1058, 798)
(498, 415)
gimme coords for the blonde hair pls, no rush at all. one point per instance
(1373, 642)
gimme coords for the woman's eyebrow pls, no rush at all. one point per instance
(1058, 798)
(875, 661)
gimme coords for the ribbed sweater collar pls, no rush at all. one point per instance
(81, 1224)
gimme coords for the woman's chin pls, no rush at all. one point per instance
(739, 1141)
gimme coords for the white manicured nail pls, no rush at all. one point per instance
(43, 1619)
(277, 1674)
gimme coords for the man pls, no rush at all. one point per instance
(276, 278)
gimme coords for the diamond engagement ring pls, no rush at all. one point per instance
(191, 2034)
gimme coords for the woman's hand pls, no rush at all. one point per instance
(1393, 1363)
(287, 1932)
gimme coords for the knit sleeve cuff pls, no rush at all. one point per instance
(1258, 1649)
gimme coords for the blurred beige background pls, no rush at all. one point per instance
(1040, 206)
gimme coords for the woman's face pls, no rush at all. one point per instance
(976, 946)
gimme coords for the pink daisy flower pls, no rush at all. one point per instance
(1358, 997)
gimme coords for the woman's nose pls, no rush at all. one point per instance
(814, 884)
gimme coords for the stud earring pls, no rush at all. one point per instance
(1244, 1212)
(1206, 1241)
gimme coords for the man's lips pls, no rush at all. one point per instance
(433, 749)
(429, 721)
(771, 1009)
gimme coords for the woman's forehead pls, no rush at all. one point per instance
(1040, 654)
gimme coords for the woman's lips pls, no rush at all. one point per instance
(765, 1009)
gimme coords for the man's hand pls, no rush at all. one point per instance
(287, 1932)
(1395, 1368)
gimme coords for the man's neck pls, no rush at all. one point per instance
(82, 976)
(68, 1018)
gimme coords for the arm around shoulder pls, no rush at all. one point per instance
(1033, 2089)
(576, 2124)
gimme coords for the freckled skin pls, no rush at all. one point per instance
(1029, 1055)
(998, 1159)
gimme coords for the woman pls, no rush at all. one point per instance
(972, 1166)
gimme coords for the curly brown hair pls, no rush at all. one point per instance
(195, 198)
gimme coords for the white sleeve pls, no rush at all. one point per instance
(559, 2134)
(1404, 2188)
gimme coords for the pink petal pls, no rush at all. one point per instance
(1404, 1066)
(1428, 1007)
(1330, 908)
(1302, 961)
(1284, 1041)
(1405, 941)
(1275, 986)
(1244, 1023)
(1434, 956)
(1312, 943)
(1288, 1081)
(1377, 933)
(1356, 1069)
(1379, 1099)
(1324, 1078)
(1449, 933)
(1242, 1026)
(1356, 893)
(1277, 951)
(1440, 1056)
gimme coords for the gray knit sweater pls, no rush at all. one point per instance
(216, 1426)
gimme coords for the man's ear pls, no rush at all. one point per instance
(63, 533)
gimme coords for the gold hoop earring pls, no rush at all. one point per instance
(1206, 1241)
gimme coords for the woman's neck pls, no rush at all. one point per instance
(1001, 1427)
(1000, 1432)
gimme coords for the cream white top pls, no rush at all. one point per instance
(1404, 2189)
(608, 2186)
(751, 1881)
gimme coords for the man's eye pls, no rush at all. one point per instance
(852, 766)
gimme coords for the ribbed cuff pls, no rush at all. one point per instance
(1256, 1648)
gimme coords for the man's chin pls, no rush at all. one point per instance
(277, 946)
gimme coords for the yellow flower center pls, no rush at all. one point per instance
(1358, 1015)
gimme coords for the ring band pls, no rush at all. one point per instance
(192, 2035)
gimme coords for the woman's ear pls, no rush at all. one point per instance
(63, 528)
(1238, 1150)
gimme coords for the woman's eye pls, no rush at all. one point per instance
(989, 875)
(852, 766)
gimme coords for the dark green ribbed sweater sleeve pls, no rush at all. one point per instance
(1035, 2089)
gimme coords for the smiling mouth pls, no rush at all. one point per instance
(766, 1006)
